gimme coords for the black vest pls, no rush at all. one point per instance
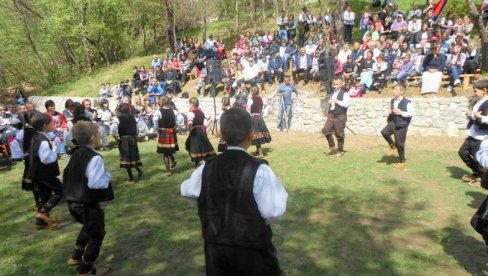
(37, 170)
(398, 120)
(199, 117)
(338, 110)
(75, 182)
(481, 128)
(228, 211)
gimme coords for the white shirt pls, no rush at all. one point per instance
(346, 100)
(482, 154)
(251, 72)
(98, 177)
(414, 26)
(342, 56)
(472, 131)
(46, 154)
(410, 110)
(348, 18)
(303, 62)
(269, 193)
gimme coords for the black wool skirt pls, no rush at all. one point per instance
(198, 145)
(129, 152)
(260, 133)
(167, 141)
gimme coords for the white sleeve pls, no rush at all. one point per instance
(346, 101)
(46, 154)
(98, 178)
(270, 195)
(190, 117)
(191, 188)
(482, 154)
(410, 111)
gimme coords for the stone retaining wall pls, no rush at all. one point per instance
(435, 116)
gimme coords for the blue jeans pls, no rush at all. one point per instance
(283, 34)
(454, 73)
(284, 124)
(402, 76)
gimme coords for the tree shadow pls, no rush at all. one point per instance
(388, 159)
(456, 172)
(476, 199)
(468, 251)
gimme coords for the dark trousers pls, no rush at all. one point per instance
(305, 72)
(50, 194)
(400, 137)
(348, 33)
(92, 232)
(223, 260)
(467, 152)
(335, 124)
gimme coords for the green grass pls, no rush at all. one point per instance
(355, 215)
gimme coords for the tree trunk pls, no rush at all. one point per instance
(204, 22)
(277, 8)
(478, 20)
(337, 15)
(253, 14)
(237, 15)
(263, 3)
(169, 23)
(30, 38)
(84, 39)
(143, 33)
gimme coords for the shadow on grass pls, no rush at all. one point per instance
(388, 159)
(456, 172)
(468, 251)
(476, 199)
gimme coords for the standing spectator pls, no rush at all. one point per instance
(348, 18)
(136, 78)
(284, 92)
(155, 61)
(144, 76)
(282, 22)
(291, 27)
(365, 20)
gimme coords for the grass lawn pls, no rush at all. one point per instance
(349, 216)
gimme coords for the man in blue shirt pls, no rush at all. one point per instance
(155, 90)
(284, 92)
(275, 66)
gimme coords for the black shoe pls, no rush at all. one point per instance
(86, 269)
(173, 163)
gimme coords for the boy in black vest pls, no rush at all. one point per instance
(85, 185)
(44, 170)
(337, 118)
(477, 131)
(238, 196)
(400, 114)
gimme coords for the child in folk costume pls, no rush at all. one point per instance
(86, 183)
(400, 114)
(477, 131)
(29, 133)
(167, 138)
(235, 219)
(197, 143)
(44, 170)
(225, 106)
(129, 152)
(339, 102)
(260, 133)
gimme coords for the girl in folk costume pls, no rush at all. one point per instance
(260, 133)
(197, 143)
(29, 133)
(129, 152)
(225, 105)
(167, 139)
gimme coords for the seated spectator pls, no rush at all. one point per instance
(314, 71)
(105, 91)
(344, 53)
(15, 116)
(155, 61)
(398, 27)
(201, 83)
(58, 124)
(472, 59)
(377, 23)
(159, 74)
(263, 64)
(220, 48)
(171, 82)
(379, 69)
(405, 70)
(107, 120)
(454, 66)
(433, 65)
(124, 90)
(349, 71)
(467, 27)
(251, 72)
(415, 11)
(144, 76)
(375, 36)
(338, 68)
(421, 38)
(448, 22)
(366, 69)
(414, 26)
(365, 21)
(276, 68)
(155, 90)
(186, 65)
(230, 74)
(291, 51)
(310, 46)
(357, 53)
(387, 27)
(395, 12)
(302, 64)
